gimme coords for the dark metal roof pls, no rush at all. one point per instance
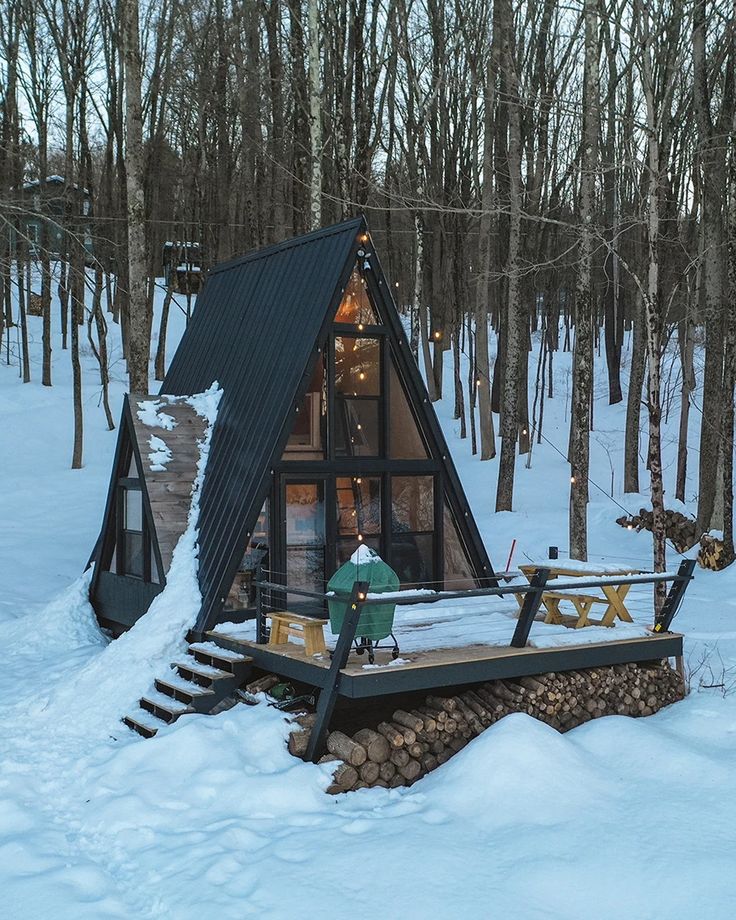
(254, 331)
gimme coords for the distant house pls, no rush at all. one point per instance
(182, 266)
(325, 439)
(49, 205)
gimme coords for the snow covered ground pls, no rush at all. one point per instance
(213, 819)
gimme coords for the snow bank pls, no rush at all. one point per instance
(111, 682)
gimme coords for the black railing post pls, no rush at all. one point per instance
(529, 608)
(328, 694)
(674, 598)
(260, 618)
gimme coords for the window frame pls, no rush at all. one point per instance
(127, 484)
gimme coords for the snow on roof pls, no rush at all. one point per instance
(51, 180)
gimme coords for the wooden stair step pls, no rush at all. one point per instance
(222, 658)
(185, 691)
(205, 671)
(210, 648)
(165, 707)
(143, 722)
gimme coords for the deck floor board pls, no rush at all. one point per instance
(443, 666)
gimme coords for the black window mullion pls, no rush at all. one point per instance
(330, 446)
(387, 522)
(384, 401)
(439, 531)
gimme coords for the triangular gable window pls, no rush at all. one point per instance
(356, 308)
(457, 564)
(406, 442)
(132, 551)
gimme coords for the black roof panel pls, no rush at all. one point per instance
(254, 329)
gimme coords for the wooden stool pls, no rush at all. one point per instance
(307, 629)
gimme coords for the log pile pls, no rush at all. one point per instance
(413, 743)
(680, 530)
(712, 554)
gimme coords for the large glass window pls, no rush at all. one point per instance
(356, 307)
(412, 529)
(306, 441)
(357, 366)
(357, 396)
(305, 536)
(405, 440)
(357, 428)
(358, 514)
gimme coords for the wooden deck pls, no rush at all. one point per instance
(445, 667)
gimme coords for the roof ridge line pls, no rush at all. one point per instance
(293, 243)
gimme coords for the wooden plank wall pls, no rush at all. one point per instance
(170, 490)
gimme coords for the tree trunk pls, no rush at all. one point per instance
(139, 313)
(315, 117)
(583, 352)
(515, 316)
(160, 363)
(711, 162)
(685, 333)
(633, 403)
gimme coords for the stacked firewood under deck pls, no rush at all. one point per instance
(415, 742)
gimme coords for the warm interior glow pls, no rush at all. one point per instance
(356, 308)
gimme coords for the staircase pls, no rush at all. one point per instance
(207, 675)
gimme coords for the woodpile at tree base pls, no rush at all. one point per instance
(680, 530)
(712, 554)
(413, 743)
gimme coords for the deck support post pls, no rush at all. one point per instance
(328, 694)
(529, 608)
(260, 618)
(676, 593)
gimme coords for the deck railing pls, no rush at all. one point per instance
(533, 592)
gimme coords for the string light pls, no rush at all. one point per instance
(360, 329)
(360, 538)
(438, 335)
(572, 479)
(359, 480)
(361, 376)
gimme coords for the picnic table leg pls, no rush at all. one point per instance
(616, 607)
(583, 608)
(553, 610)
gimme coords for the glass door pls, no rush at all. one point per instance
(304, 539)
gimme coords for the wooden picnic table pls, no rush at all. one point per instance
(613, 597)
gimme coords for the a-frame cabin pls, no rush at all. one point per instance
(325, 438)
